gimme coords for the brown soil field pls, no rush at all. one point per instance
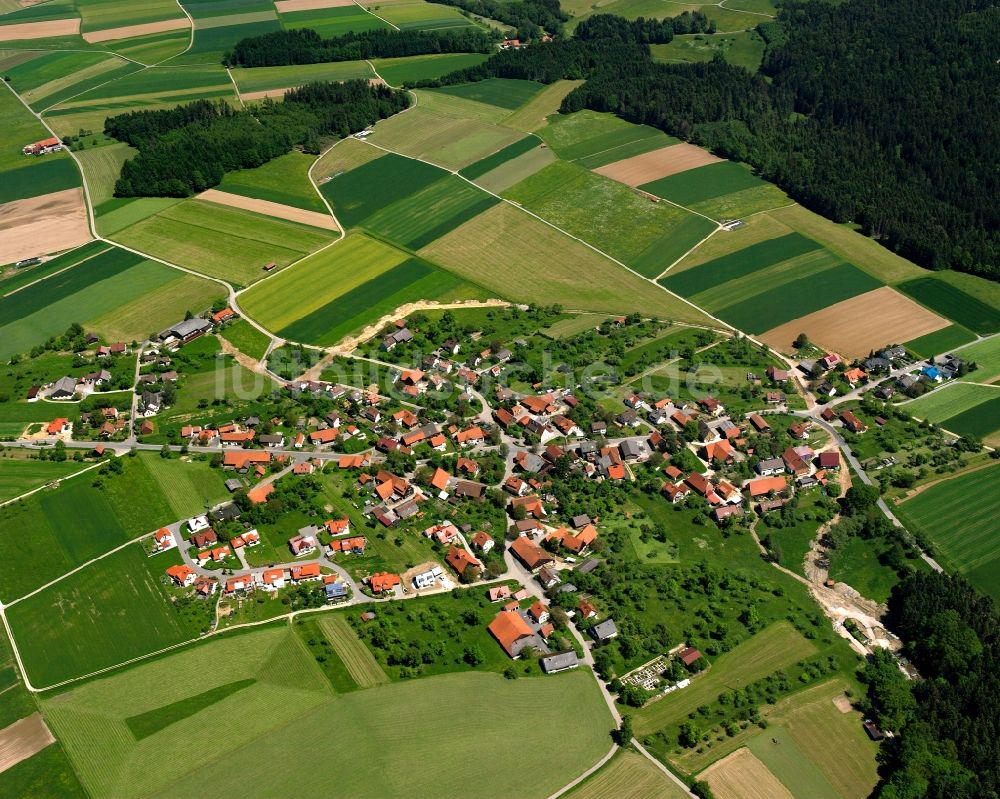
(129, 31)
(281, 92)
(742, 776)
(22, 739)
(285, 6)
(39, 30)
(859, 325)
(268, 208)
(42, 225)
(657, 164)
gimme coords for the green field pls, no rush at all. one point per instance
(776, 647)
(156, 85)
(778, 751)
(99, 285)
(76, 521)
(359, 193)
(610, 216)
(708, 182)
(20, 475)
(46, 775)
(50, 78)
(745, 49)
(958, 516)
(102, 166)
(952, 302)
(941, 341)
(111, 611)
(211, 43)
(333, 21)
(549, 270)
(595, 139)
(430, 213)
(726, 18)
(512, 172)
(282, 180)
(288, 700)
(859, 563)
(981, 422)
(356, 657)
(22, 277)
(347, 287)
(397, 71)
(120, 213)
(265, 78)
(101, 14)
(421, 16)
(986, 356)
(502, 92)
(246, 338)
(222, 242)
(628, 775)
(500, 157)
(949, 401)
(153, 48)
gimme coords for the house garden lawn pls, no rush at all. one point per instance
(549, 271)
(18, 475)
(397, 71)
(794, 541)
(222, 242)
(282, 180)
(610, 216)
(958, 516)
(265, 78)
(941, 341)
(246, 338)
(628, 775)
(113, 610)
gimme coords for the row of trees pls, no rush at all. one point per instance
(874, 113)
(185, 150)
(645, 31)
(305, 46)
(531, 18)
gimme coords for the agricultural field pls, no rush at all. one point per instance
(954, 303)
(628, 775)
(503, 156)
(648, 237)
(77, 521)
(98, 15)
(771, 282)
(941, 341)
(656, 164)
(958, 516)
(19, 475)
(102, 166)
(535, 114)
(38, 226)
(343, 156)
(723, 190)
(743, 49)
(359, 281)
(335, 21)
(739, 17)
(221, 242)
(500, 92)
(397, 71)
(274, 80)
(356, 657)
(962, 408)
(246, 338)
(986, 355)
(549, 271)
(419, 15)
(594, 139)
(442, 138)
(99, 285)
(49, 78)
(271, 671)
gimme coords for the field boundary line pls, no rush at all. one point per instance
(770, 210)
(236, 88)
(98, 86)
(72, 50)
(53, 274)
(50, 482)
(184, 11)
(391, 24)
(685, 255)
(569, 786)
(575, 238)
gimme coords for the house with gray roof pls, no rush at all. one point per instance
(559, 662)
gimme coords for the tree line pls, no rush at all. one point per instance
(879, 114)
(305, 46)
(531, 18)
(642, 30)
(946, 725)
(187, 149)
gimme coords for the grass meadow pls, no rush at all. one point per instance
(50, 78)
(360, 663)
(397, 71)
(950, 400)
(723, 190)
(18, 475)
(512, 172)
(986, 356)
(246, 338)
(222, 242)
(266, 78)
(549, 270)
(421, 16)
(502, 92)
(610, 216)
(958, 516)
(744, 49)
(277, 689)
(954, 303)
(500, 157)
(283, 180)
(941, 341)
(102, 166)
(595, 139)
(628, 775)
(102, 14)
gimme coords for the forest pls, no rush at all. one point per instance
(305, 46)
(947, 744)
(187, 149)
(532, 18)
(880, 114)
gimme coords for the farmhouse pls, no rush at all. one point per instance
(530, 554)
(381, 582)
(514, 634)
(63, 388)
(182, 575)
(42, 147)
(186, 331)
(765, 485)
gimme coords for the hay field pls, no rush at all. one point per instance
(847, 326)
(283, 180)
(644, 235)
(595, 138)
(959, 516)
(742, 776)
(628, 775)
(42, 225)
(346, 155)
(774, 648)
(512, 172)
(102, 166)
(657, 164)
(357, 658)
(269, 78)
(222, 242)
(534, 114)
(549, 271)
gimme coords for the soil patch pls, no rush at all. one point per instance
(39, 30)
(742, 776)
(127, 32)
(41, 225)
(657, 164)
(22, 739)
(843, 704)
(286, 6)
(268, 208)
(856, 326)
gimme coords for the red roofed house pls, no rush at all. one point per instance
(260, 493)
(829, 460)
(530, 554)
(273, 579)
(182, 575)
(689, 655)
(338, 526)
(382, 582)
(241, 460)
(511, 632)
(718, 451)
(163, 539)
(852, 422)
(302, 545)
(470, 437)
(765, 485)
(58, 427)
(307, 571)
(538, 612)
(461, 560)
(241, 582)
(482, 541)
(440, 479)
(223, 316)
